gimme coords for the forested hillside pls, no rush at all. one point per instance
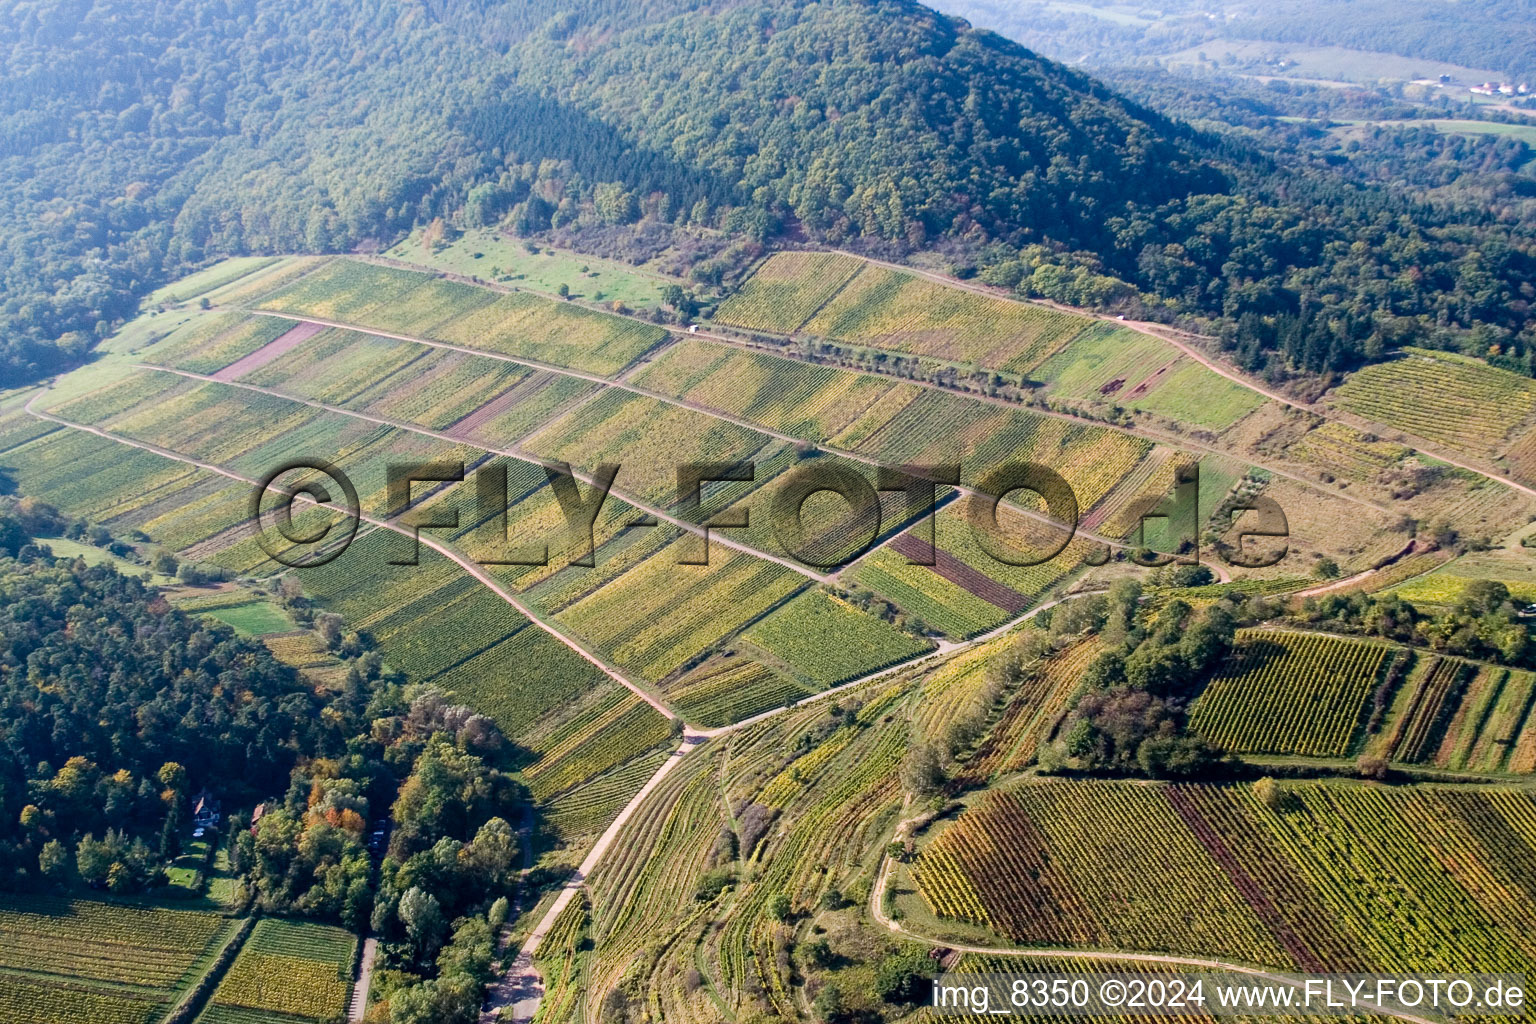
(136, 142)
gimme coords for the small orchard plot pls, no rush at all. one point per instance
(1448, 399)
(826, 641)
(489, 254)
(1326, 877)
(65, 961)
(297, 969)
(1289, 693)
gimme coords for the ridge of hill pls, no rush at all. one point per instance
(137, 143)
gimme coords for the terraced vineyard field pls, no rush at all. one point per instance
(942, 428)
(1030, 716)
(213, 342)
(298, 970)
(901, 312)
(968, 591)
(1452, 400)
(813, 402)
(1461, 715)
(1289, 693)
(730, 688)
(647, 438)
(89, 962)
(609, 732)
(1348, 453)
(787, 290)
(825, 641)
(823, 792)
(1212, 870)
(655, 618)
(516, 324)
(795, 809)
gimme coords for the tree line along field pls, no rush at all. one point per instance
(1337, 877)
(86, 961)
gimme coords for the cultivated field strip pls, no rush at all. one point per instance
(297, 970)
(1302, 886)
(1461, 403)
(425, 541)
(522, 456)
(548, 442)
(1290, 693)
(66, 961)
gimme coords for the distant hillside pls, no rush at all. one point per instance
(138, 141)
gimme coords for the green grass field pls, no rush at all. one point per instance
(222, 273)
(255, 618)
(491, 256)
(64, 548)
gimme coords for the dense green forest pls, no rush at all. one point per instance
(138, 141)
(116, 710)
